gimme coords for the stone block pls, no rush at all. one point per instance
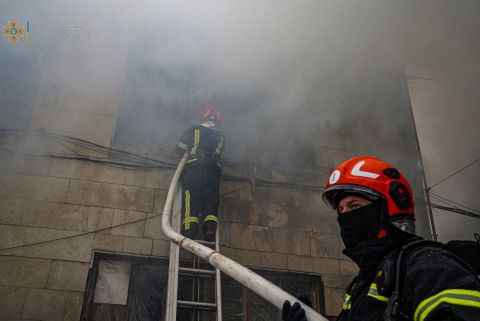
(54, 215)
(137, 245)
(267, 215)
(258, 238)
(11, 235)
(274, 261)
(110, 195)
(333, 301)
(24, 164)
(348, 268)
(77, 248)
(234, 210)
(40, 144)
(325, 266)
(91, 171)
(300, 218)
(11, 302)
(123, 218)
(11, 210)
(277, 195)
(300, 263)
(68, 276)
(107, 242)
(24, 272)
(99, 218)
(159, 202)
(224, 234)
(325, 221)
(325, 245)
(336, 280)
(41, 304)
(235, 190)
(306, 198)
(34, 187)
(73, 307)
(65, 216)
(159, 179)
(153, 227)
(249, 258)
(84, 122)
(161, 248)
(298, 241)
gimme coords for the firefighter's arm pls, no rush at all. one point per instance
(184, 141)
(440, 287)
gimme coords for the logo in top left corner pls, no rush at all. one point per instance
(16, 32)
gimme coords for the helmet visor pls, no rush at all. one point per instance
(334, 194)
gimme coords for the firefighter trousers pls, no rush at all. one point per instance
(200, 187)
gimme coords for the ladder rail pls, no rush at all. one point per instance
(218, 279)
(173, 267)
(244, 276)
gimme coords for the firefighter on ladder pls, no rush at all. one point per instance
(204, 144)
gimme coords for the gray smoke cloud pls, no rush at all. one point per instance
(289, 76)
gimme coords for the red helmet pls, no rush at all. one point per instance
(372, 178)
(211, 113)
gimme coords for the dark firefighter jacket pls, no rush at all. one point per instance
(436, 285)
(204, 145)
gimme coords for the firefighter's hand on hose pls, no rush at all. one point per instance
(293, 312)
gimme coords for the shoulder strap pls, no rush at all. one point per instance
(393, 310)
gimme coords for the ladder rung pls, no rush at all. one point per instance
(196, 271)
(197, 304)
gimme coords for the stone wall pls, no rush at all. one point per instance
(58, 203)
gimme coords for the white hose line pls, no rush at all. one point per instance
(244, 276)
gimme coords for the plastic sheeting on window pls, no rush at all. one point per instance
(148, 293)
(135, 289)
(112, 282)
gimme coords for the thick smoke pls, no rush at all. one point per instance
(289, 76)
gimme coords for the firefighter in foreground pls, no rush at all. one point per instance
(375, 211)
(204, 144)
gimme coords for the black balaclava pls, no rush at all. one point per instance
(359, 230)
(362, 224)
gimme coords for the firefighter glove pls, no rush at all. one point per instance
(293, 312)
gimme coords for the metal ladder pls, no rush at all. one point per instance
(174, 271)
